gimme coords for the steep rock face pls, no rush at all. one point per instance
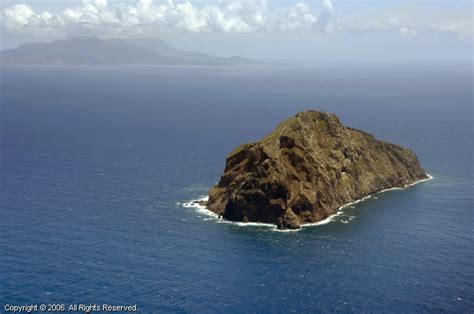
(306, 169)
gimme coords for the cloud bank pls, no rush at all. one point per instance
(147, 17)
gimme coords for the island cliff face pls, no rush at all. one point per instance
(306, 170)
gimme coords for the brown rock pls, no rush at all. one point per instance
(306, 169)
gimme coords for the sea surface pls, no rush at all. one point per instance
(96, 163)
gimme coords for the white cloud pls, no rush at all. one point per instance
(145, 3)
(327, 5)
(19, 14)
(22, 18)
(101, 3)
(146, 16)
(241, 16)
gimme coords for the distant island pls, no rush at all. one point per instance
(96, 51)
(307, 169)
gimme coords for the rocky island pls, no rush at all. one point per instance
(305, 170)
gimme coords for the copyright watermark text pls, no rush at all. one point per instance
(85, 308)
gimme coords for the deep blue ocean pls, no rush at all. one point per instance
(96, 161)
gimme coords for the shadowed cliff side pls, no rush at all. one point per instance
(306, 169)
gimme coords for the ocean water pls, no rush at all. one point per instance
(96, 163)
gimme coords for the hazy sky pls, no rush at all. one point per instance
(304, 31)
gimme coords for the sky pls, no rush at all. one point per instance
(302, 31)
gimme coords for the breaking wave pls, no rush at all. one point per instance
(204, 211)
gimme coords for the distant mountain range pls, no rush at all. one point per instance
(96, 51)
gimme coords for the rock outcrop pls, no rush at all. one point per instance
(306, 169)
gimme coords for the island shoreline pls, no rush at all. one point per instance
(204, 210)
